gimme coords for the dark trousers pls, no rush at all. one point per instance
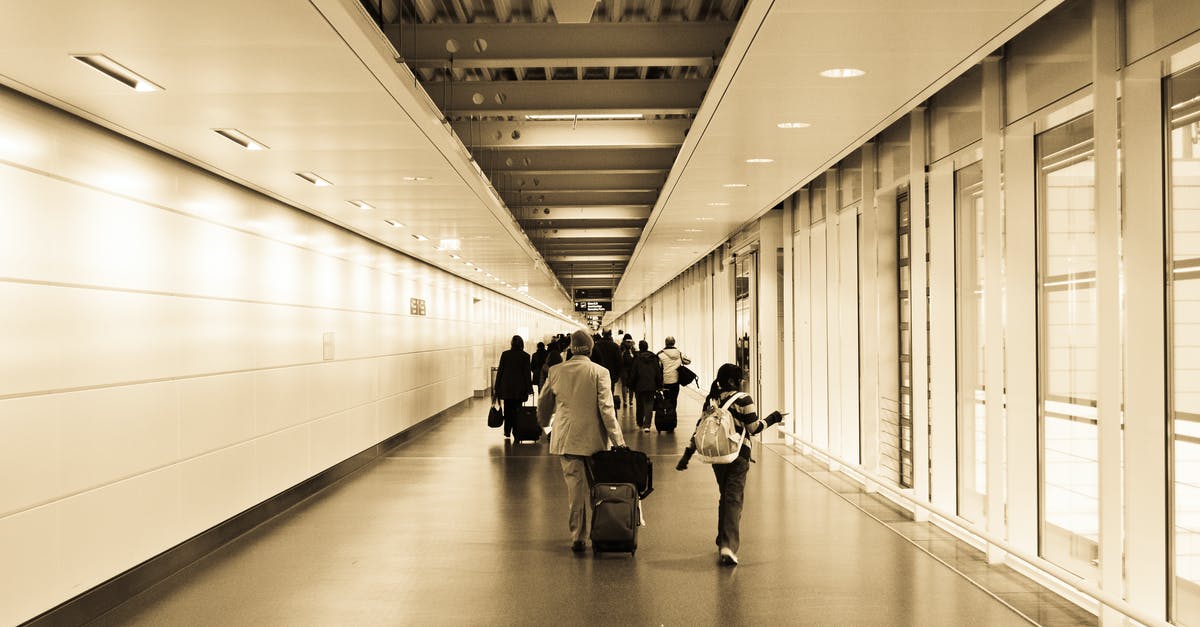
(645, 408)
(511, 408)
(671, 396)
(731, 480)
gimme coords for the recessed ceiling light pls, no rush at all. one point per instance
(705, 219)
(118, 72)
(394, 224)
(414, 179)
(361, 205)
(314, 179)
(736, 185)
(718, 204)
(419, 237)
(760, 160)
(478, 269)
(842, 72)
(793, 125)
(455, 257)
(693, 230)
(240, 138)
(468, 263)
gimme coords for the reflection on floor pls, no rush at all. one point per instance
(1026, 596)
(460, 527)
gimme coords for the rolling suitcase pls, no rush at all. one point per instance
(623, 465)
(614, 518)
(527, 428)
(665, 419)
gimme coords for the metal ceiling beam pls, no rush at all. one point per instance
(606, 133)
(630, 44)
(597, 212)
(550, 197)
(630, 233)
(576, 158)
(582, 224)
(665, 96)
(580, 181)
(596, 258)
(598, 275)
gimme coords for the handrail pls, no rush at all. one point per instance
(1065, 576)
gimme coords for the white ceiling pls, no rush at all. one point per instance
(770, 74)
(317, 83)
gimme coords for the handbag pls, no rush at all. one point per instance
(495, 417)
(686, 376)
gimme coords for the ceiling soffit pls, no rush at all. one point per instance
(576, 122)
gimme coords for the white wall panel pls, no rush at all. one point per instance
(30, 453)
(166, 348)
(109, 434)
(30, 546)
(107, 530)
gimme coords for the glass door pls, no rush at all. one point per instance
(1183, 328)
(746, 320)
(1067, 344)
(972, 349)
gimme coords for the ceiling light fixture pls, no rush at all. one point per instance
(705, 219)
(693, 230)
(240, 138)
(468, 263)
(394, 224)
(842, 72)
(736, 185)
(574, 117)
(718, 204)
(760, 160)
(118, 72)
(314, 179)
(415, 179)
(361, 205)
(419, 237)
(793, 125)
(455, 257)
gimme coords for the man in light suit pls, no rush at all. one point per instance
(578, 395)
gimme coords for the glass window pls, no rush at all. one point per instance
(956, 114)
(816, 196)
(1067, 345)
(904, 294)
(1184, 329)
(1050, 59)
(1152, 24)
(850, 179)
(972, 411)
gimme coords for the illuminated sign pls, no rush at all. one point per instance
(592, 306)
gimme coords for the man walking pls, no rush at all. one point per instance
(578, 395)
(646, 377)
(672, 358)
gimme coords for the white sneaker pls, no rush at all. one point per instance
(645, 429)
(728, 558)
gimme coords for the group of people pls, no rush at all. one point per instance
(577, 398)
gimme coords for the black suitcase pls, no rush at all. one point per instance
(614, 518)
(623, 465)
(665, 419)
(527, 428)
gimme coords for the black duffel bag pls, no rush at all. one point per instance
(623, 465)
(686, 376)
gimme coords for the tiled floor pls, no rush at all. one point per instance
(459, 527)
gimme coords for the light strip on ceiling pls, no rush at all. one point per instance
(314, 179)
(117, 72)
(572, 117)
(394, 224)
(361, 205)
(240, 138)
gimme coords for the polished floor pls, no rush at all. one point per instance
(459, 527)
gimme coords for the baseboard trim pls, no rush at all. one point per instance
(94, 602)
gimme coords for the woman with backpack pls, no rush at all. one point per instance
(725, 397)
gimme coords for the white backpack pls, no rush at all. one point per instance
(717, 439)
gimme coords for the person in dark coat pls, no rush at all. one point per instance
(628, 350)
(608, 354)
(536, 361)
(646, 378)
(513, 384)
(554, 357)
